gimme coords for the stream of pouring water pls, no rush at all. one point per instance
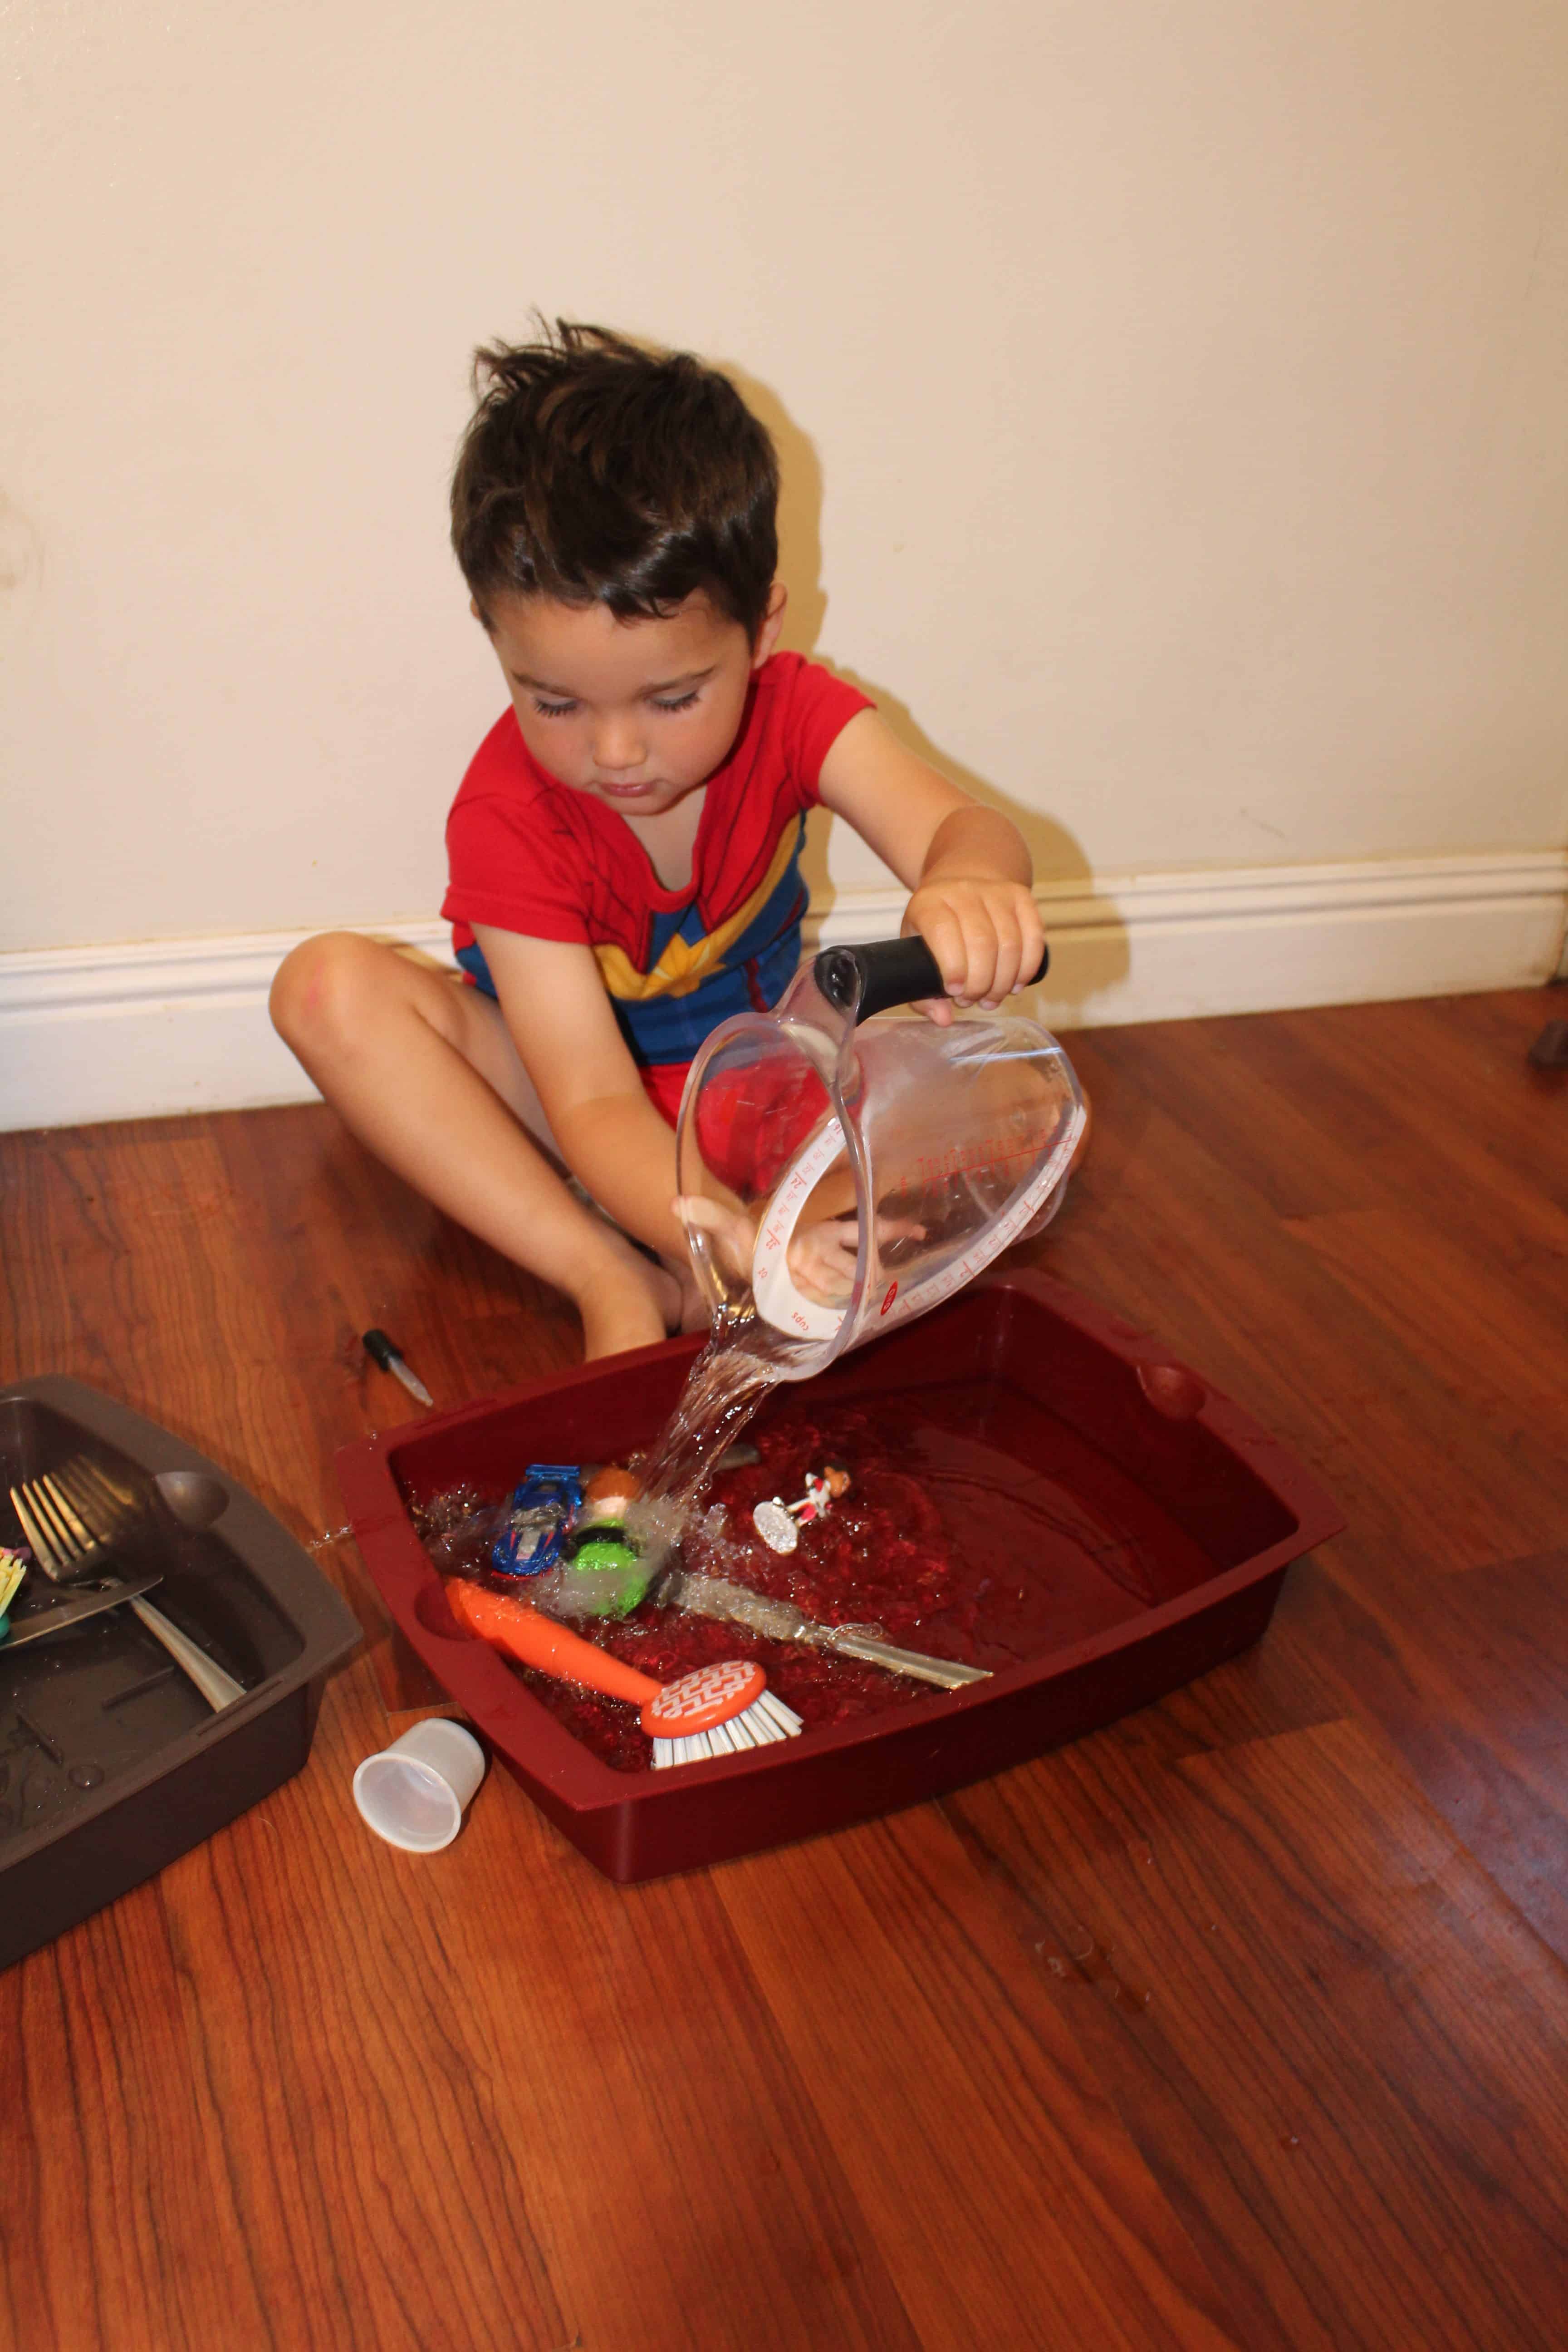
(724, 1388)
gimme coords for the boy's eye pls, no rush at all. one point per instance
(552, 710)
(681, 702)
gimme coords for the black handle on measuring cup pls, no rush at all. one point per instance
(889, 972)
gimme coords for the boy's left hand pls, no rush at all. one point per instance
(986, 934)
(967, 867)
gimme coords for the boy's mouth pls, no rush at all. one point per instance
(624, 792)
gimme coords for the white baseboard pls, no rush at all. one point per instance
(157, 1027)
(162, 1027)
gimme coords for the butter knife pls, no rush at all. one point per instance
(780, 1621)
(33, 1627)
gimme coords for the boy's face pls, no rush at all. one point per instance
(638, 713)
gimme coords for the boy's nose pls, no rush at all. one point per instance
(618, 746)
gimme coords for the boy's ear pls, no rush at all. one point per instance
(773, 622)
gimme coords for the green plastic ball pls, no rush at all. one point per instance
(606, 1576)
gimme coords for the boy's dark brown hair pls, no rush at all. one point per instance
(596, 472)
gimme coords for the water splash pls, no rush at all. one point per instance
(324, 1542)
(725, 1387)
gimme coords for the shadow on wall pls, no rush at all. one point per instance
(1082, 966)
(800, 513)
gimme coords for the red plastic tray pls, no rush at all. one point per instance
(1074, 1377)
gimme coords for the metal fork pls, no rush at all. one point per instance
(72, 1520)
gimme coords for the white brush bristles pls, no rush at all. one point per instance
(766, 1719)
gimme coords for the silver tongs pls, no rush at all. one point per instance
(780, 1621)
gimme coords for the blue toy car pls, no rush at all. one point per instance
(539, 1516)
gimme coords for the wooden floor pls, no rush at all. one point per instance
(1244, 2023)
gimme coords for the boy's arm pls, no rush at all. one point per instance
(967, 867)
(560, 1018)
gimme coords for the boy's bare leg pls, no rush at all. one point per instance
(422, 1070)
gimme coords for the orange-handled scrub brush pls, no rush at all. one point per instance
(716, 1711)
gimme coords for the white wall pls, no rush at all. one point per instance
(1173, 401)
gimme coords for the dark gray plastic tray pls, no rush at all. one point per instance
(111, 1763)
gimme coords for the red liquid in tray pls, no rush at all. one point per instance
(950, 1541)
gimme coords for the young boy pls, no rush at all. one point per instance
(623, 848)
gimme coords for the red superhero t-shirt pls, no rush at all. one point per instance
(529, 854)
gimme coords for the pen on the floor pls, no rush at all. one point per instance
(386, 1353)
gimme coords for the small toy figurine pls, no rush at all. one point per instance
(608, 1496)
(822, 1491)
(779, 1523)
(600, 1572)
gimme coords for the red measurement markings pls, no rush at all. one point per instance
(990, 1151)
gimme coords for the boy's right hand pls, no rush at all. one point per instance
(822, 1256)
(730, 1233)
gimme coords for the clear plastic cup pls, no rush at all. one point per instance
(415, 1793)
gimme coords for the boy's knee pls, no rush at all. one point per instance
(318, 986)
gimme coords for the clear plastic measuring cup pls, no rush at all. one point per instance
(841, 1173)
